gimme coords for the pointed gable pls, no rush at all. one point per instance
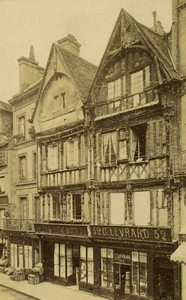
(127, 34)
(66, 83)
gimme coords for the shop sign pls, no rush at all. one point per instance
(121, 258)
(134, 233)
(61, 229)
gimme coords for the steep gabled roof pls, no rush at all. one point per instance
(128, 32)
(81, 70)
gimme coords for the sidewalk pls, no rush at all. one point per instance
(46, 290)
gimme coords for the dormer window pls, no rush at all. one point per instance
(63, 100)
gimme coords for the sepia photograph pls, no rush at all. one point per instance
(93, 149)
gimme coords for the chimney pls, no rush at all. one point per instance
(70, 43)
(29, 70)
(157, 27)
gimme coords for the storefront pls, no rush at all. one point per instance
(64, 252)
(133, 262)
(24, 250)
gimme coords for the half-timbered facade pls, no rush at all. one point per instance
(63, 156)
(133, 101)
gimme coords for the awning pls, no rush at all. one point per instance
(179, 254)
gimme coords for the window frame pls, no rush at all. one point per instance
(21, 157)
(21, 132)
(138, 143)
(85, 262)
(74, 206)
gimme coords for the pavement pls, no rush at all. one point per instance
(46, 290)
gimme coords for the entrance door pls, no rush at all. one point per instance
(165, 282)
(48, 259)
(122, 280)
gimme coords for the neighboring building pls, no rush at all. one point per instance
(19, 225)
(6, 125)
(63, 161)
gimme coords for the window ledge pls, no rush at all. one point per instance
(138, 162)
(109, 165)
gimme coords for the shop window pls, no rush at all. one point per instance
(55, 206)
(52, 157)
(21, 256)
(141, 208)
(76, 207)
(59, 260)
(139, 273)
(107, 278)
(69, 262)
(22, 167)
(72, 153)
(86, 265)
(138, 143)
(21, 126)
(109, 148)
(117, 204)
(122, 144)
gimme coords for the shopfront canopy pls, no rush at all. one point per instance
(179, 254)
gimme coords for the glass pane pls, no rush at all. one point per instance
(83, 272)
(83, 252)
(90, 253)
(90, 272)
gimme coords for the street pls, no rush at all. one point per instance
(9, 294)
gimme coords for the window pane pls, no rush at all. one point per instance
(117, 203)
(83, 271)
(142, 208)
(83, 252)
(117, 87)
(122, 150)
(110, 90)
(137, 82)
(147, 76)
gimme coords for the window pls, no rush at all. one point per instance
(86, 265)
(2, 184)
(34, 165)
(139, 273)
(21, 126)
(56, 206)
(137, 82)
(107, 278)
(59, 260)
(3, 156)
(63, 100)
(21, 256)
(52, 157)
(72, 153)
(114, 89)
(109, 148)
(23, 208)
(22, 167)
(117, 204)
(76, 206)
(138, 143)
(122, 144)
(141, 206)
(2, 216)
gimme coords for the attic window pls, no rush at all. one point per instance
(63, 100)
(114, 89)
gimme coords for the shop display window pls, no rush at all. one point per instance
(139, 273)
(107, 278)
(87, 265)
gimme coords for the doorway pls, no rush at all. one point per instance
(48, 259)
(165, 284)
(122, 273)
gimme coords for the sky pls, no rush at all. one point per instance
(42, 22)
